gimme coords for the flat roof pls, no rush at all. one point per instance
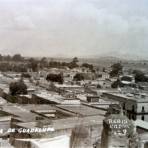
(5, 118)
(55, 142)
(5, 143)
(23, 112)
(2, 101)
(67, 86)
(136, 98)
(68, 122)
(51, 97)
(141, 124)
(82, 110)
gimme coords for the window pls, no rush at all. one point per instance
(124, 106)
(134, 117)
(142, 118)
(129, 116)
(143, 109)
(133, 108)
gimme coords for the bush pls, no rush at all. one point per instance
(26, 75)
(17, 88)
(115, 84)
(116, 69)
(55, 78)
(78, 77)
(140, 76)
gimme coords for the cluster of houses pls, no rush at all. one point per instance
(57, 112)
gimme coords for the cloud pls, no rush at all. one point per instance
(73, 27)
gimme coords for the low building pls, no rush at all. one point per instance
(135, 105)
(44, 97)
(93, 124)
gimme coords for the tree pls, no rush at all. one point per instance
(99, 86)
(116, 69)
(103, 69)
(19, 68)
(26, 75)
(55, 64)
(140, 76)
(73, 63)
(90, 66)
(115, 84)
(75, 60)
(78, 77)
(33, 64)
(1, 57)
(17, 88)
(7, 58)
(55, 78)
(17, 57)
(43, 62)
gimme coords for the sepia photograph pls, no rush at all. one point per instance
(73, 73)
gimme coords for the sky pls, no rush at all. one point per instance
(83, 28)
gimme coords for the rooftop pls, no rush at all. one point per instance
(60, 141)
(141, 124)
(51, 97)
(23, 112)
(68, 122)
(140, 98)
(82, 110)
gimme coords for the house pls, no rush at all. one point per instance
(135, 105)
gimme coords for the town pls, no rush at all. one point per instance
(73, 103)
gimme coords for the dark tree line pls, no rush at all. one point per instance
(4, 67)
(16, 57)
(71, 65)
(17, 63)
(89, 66)
(55, 78)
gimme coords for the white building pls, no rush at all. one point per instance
(135, 106)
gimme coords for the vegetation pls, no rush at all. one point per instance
(5, 66)
(33, 64)
(99, 86)
(26, 75)
(103, 69)
(115, 84)
(89, 66)
(17, 63)
(17, 88)
(140, 76)
(78, 77)
(55, 78)
(16, 57)
(43, 62)
(126, 78)
(116, 70)
(71, 65)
